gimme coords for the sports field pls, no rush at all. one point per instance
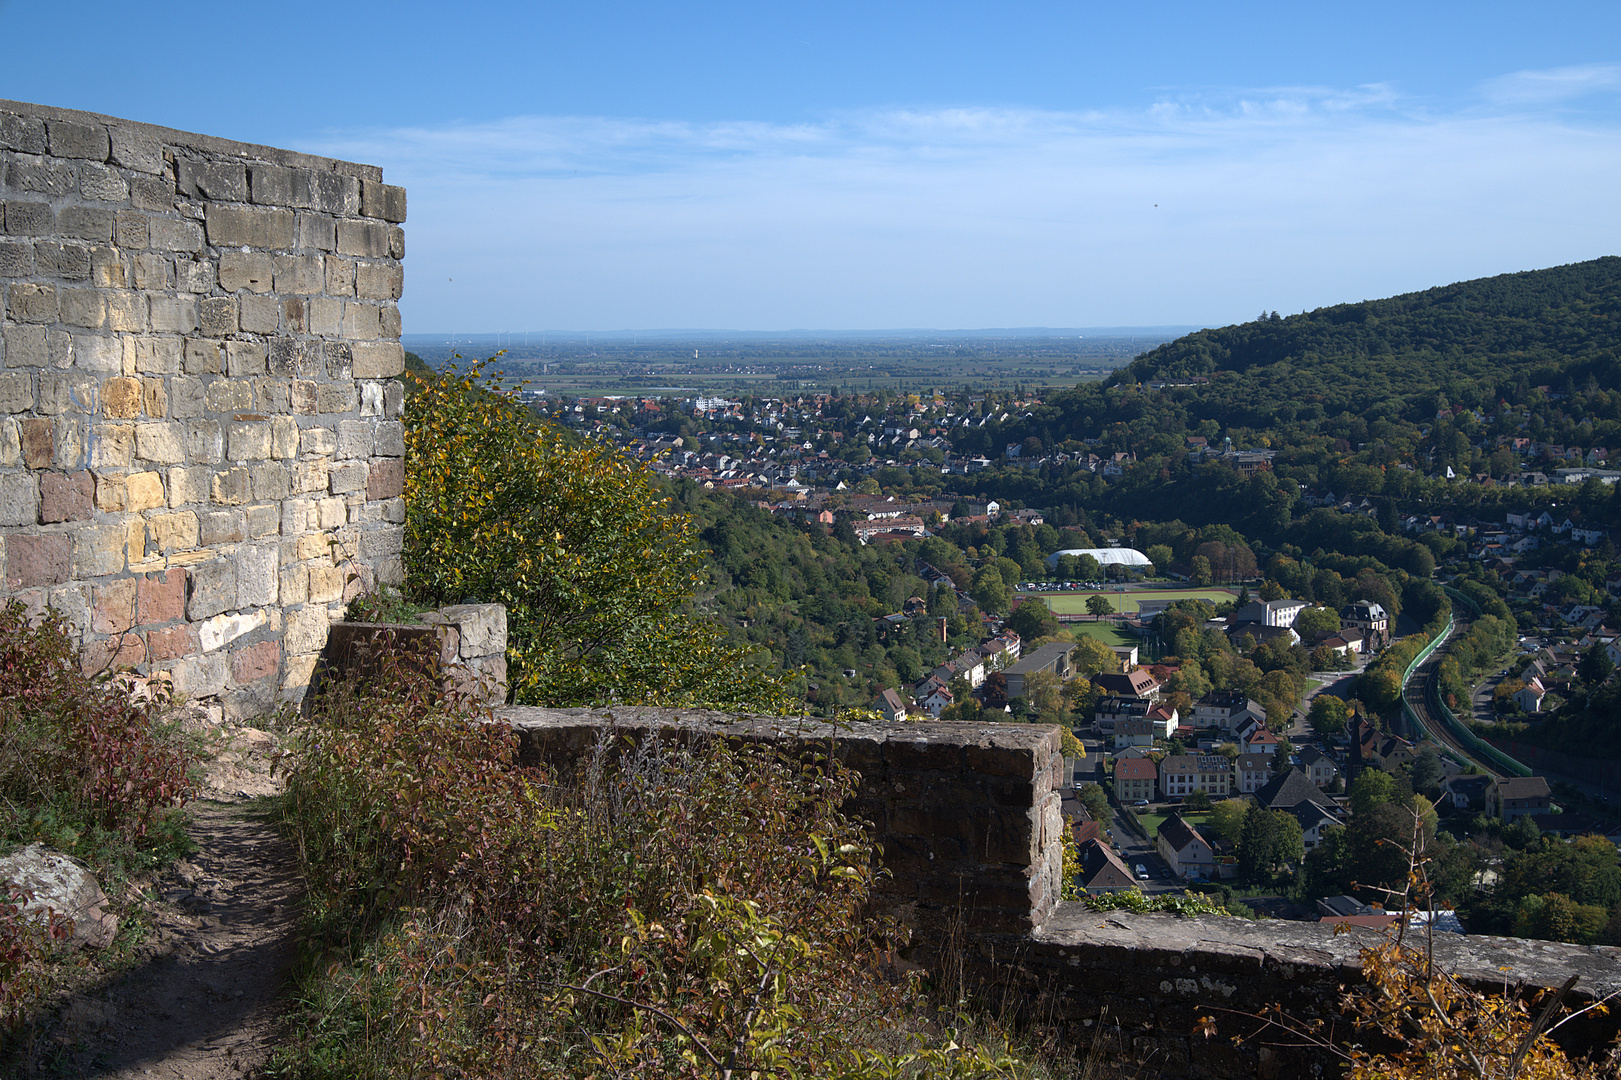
(1106, 632)
(1129, 602)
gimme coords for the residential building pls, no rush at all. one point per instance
(1133, 733)
(1251, 772)
(1101, 869)
(890, 705)
(1516, 796)
(1183, 774)
(1185, 851)
(1320, 768)
(1223, 709)
(1054, 658)
(1134, 779)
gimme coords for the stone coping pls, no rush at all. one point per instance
(208, 144)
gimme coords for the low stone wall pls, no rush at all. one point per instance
(967, 814)
(466, 644)
(1141, 983)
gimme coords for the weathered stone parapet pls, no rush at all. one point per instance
(1144, 981)
(201, 452)
(967, 814)
(463, 645)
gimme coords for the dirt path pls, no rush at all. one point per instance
(205, 1005)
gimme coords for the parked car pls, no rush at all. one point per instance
(1142, 872)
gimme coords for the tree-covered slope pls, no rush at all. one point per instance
(1472, 341)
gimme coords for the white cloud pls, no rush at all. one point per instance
(1204, 207)
(1553, 85)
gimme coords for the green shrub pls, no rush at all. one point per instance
(666, 911)
(86, 762)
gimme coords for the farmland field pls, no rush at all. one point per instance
(1128, 602)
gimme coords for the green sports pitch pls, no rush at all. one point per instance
(1130, 601)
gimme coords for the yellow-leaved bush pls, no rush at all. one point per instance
(596, 571)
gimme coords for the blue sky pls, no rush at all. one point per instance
(628, 165)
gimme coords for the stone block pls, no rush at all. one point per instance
(101, 184)
(263, 521)
(333, 192)
(71, 262)
(163, 443)
(25, 134)
(325, 584)
(114, 608)
(378, 359)
(233, 226)
(40, 176)
(248, 440)
(385, 201)
(171, 644)
(29, 218)
(230, 396)
(335, 397)
(226, 181)
(59, 393)
(272, 481)
(174, 234)
(231, 487)
(483, 628)
(25, 346)
(17, 392)
(39, 443)
(362, 322)
(222, 527)
(259, 314)
(112, 446)
(173, 532)
(19, 499)
(274, 396)
(151, 193)
(83, 307)
(303, 397)
(217, 316)
(255, 662)
(143, 491)
(96, 352)
(330, 513)
(11, 443)
(386, 479)
(98, 550)
(213, 589)
(289, 357)
(69, 435)
(300, 274)
(355, 439)
(379, 279)
(394, 511)
(294, 319)
(396, 242)
(85, 223)
(371, 399)
(245, 270)
(154, 398)
(187, 486)
(135, 149)
(306, 630)
(256, 575)
(27, 302)
(159, 355)
(221, 630)
(112, 654)
(129, 230)
(380, 541)
(350, 476)
(317, 232)
(283, 437)
(325, 316)
(36, 560)
(368, 239)
(199, 676)
(17, 260)
(205, 442)
(69, 139)
(311, 475)
(186, 397)
(179, 315)
(203, 357)
(160, 598)
(66, 497)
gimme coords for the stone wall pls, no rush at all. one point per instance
(201, 455)
(967, 814)
(968, 819)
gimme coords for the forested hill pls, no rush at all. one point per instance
(1474, 341)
